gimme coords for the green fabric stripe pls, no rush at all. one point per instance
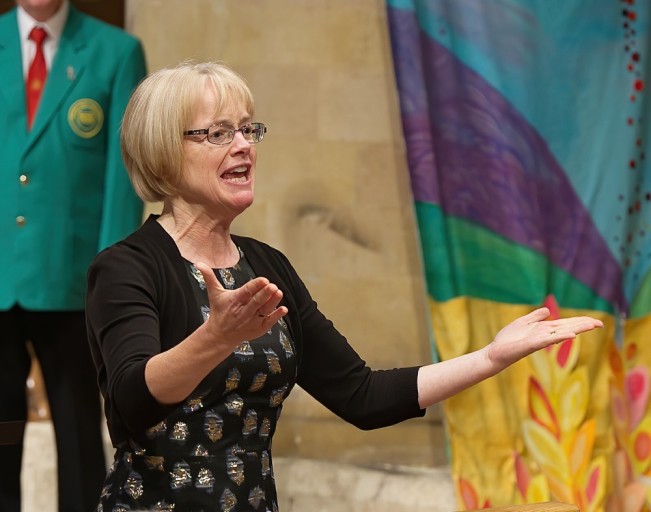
(464, 259)
(641, 304)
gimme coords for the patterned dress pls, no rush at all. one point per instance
(212, 453)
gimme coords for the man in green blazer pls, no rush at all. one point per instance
(64, 195)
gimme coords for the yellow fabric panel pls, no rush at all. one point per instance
(485, 423)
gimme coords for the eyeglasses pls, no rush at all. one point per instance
(221, 135)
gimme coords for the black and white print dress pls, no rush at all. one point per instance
(213, 452)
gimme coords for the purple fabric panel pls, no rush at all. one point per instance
(413, 91)
(474, 154)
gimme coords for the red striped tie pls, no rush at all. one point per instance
(36, 75)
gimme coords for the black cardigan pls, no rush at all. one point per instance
(140, 302)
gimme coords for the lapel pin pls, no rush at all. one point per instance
(71, 73)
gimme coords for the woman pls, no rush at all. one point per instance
(199, 335)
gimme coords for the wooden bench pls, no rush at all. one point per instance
(549, 506)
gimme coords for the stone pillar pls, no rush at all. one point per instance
(332, 186)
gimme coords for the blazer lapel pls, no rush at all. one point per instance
(12, 84)
(67, 68)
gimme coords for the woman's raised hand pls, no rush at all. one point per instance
(242, 314)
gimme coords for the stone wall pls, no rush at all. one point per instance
(332, 186)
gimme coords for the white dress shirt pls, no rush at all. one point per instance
(53, 27)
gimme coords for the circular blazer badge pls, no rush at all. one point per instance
(86, 117)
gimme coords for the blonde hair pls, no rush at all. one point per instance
(159, 111)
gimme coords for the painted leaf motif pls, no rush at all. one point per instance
(542, 368)
(538, 491)
(581, 451)
(540, 408)
(620, 472)
(573, 400)
(547, 452)
(637, 392)
(567, 353)
(468, 494)
(522, 476)
(640, 448)
(560, 489)
(635, 497)
(626, 496)
(594, 485)
(551, 304)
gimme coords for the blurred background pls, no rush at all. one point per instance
(433, 169)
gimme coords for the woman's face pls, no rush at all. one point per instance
(216, 179)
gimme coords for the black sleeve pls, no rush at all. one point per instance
(123, 329)
(332, 372)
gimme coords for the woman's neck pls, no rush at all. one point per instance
(200, 238)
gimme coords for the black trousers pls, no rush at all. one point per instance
(61, 346)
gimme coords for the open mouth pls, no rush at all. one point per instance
(237, 175)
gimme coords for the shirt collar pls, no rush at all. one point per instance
(54, 26)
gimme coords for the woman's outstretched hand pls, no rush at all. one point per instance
(518, 339)
(242, 314)
(533, 332)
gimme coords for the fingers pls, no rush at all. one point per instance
(258, 297)
(273, 299)
(586, 322)
(567, 328)
(537, 315)
(580, 324)
(273, 317)
(576, 324)
(209, 276)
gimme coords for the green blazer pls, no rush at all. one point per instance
(64, 191)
